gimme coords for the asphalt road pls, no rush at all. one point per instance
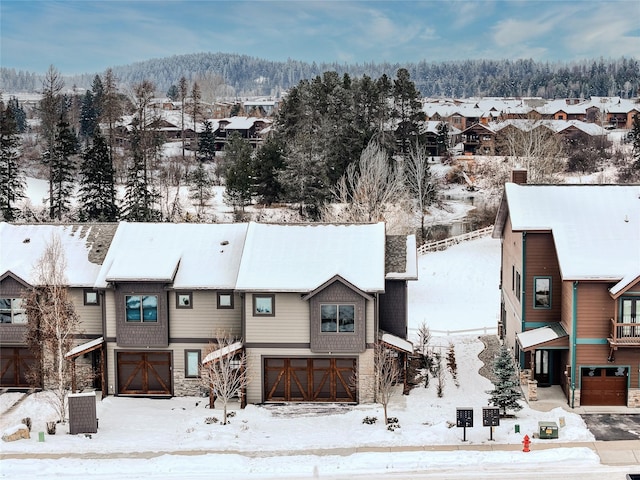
(613, 426)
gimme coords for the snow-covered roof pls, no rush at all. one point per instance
(396, 342)
(596, 228)
(84, 347)
(537, 336)
(84, 246)
(299, 258)
(222, 352)
(196, 256)
(556, 126)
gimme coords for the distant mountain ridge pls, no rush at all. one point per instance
(252, 76)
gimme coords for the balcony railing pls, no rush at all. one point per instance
(625, 334)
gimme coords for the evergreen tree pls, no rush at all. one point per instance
(507, 392)
(140, 199)
(88, 116)
(407, 111)
(12, 182)
(442, 138)
(268, 162)
(635, 137)
(200, 189)
(237, 171)
(63, 169)
(97, 183)
(172, 93)
(207, 143)
(18, 114)
(110, 109)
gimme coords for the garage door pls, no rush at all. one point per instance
(604, 386)
(144, 373)
(15, 365)
(309, 379)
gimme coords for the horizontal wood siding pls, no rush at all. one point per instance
(205, 320)
(90, 315)
(511, 256)
(371, 333)
(110, 314)
(595, 309)
(542, 261)
(566, 306)
(289, 325)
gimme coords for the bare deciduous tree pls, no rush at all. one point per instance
(52, 324)
(420, 182)
(368, 189)
(386, 375)
(224, 371)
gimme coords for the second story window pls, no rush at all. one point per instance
(12, 311)
(542, 291)
(141, 308)
(337, 318)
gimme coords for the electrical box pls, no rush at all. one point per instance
(547, 430)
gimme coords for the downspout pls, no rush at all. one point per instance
(523, 309)
(574, 331)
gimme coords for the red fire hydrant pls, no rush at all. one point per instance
(526, 442)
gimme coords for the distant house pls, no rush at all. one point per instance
(479, 139)
(570, 282)
(308, 303)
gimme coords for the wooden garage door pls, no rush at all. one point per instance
(604, 386)
(15, 365)
(144, 373)
(309, 379)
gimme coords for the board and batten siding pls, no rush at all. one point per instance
(542, 261)
(290, 324)
(90, 316)
(204, 320)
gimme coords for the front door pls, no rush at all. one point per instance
(542, 368)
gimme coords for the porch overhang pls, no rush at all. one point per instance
(86, 347)
(395, 343)
(224, 352)
(550, 336)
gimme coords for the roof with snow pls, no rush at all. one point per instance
(84, 247)
(299, 258)
(188, 255)
(596, 228)
(539, 336)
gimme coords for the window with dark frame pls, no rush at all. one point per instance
(141, 308)
(192, 359)
(337, 318)
(225, 300)
(184, 300)
(12, 311)
(518, 285)
(264, 305)
(542, 292)
(91, 297)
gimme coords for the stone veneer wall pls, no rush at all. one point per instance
(633, 398)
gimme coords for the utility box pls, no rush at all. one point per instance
(82, 413)
(547, 430)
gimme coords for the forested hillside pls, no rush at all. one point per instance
(243, 75)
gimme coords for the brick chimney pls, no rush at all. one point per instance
(519, 176)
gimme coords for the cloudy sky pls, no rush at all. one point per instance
(89, 36)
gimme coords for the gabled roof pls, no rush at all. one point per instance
(596, 228)
(187, 255)
(298, 258)
(84, 247)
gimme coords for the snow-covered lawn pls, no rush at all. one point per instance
(268, 442)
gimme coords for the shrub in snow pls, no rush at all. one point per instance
(210, 420)
(369, 420)
(51, 428)
(27, 421)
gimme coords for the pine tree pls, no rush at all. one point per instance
(88, 116)
(62, 168)
(200, 189)
(237, 171)
(207, 143)
(97, 184)
(12, 182)
(407, 111)
(267, 163)
(19, 114)
(507, 392)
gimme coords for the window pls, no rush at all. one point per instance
(192, 363)
(91, 297)
(337, 318)
(225, 300)
(518, 285)
(12, 311)
(264, 305)
(542, 291)
(630, 313)
(141, 308)
(184, 300)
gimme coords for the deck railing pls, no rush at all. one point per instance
(625, 334)
(447, 242)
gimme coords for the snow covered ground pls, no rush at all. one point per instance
(178, 438)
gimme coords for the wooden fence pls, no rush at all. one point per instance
(447, 242)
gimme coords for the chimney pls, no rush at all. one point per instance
(519, 176)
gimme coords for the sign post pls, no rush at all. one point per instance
(490, 418)
(464, 419)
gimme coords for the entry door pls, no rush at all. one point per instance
(541, 372)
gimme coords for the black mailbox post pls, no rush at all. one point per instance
(464, 419)
(490, 418)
